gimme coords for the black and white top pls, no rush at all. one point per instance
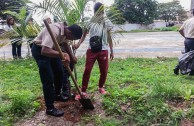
(8, 28)
(100, 29)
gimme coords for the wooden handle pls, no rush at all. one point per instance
(62, 56)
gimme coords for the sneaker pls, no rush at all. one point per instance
(78, 97)
(61, 97)
(54, 112)
(64, 98)
(102, 90)
(176, 71)
(191, 73)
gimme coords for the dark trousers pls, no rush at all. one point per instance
(66, 83)
(16, 50)
(189, 46)
(102, 58)
(51, 74)
(31, 44)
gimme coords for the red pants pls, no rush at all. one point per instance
(102, 58)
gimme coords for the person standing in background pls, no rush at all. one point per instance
(32, 30)
(187, 31)
(103, 32)
(16, 40)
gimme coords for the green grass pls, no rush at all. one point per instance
(19, 89)
(138, 92)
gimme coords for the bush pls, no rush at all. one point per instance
(174, 28)
(21, 101)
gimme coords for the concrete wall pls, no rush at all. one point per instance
(129, 27)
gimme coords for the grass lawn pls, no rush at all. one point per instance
(141, 92)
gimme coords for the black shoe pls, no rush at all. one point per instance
(176, 71)
(191, 73)
(54, 112)
(64, 97)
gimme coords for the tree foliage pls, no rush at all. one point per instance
(137, 11)
(69, 11)
(169, 11)
(111, 12)
(12, 5)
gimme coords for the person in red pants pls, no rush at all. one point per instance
(101, 56)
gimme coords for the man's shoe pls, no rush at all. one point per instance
(64, 98)
(54, 112)
(191, 73)
(102, 90)
(176, 71)
(84, 95)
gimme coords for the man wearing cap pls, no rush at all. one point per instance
(49, 63)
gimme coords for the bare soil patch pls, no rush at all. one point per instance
(72, 117)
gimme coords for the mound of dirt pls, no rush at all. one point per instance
(73, 112)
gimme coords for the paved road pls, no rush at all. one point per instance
(144, 44)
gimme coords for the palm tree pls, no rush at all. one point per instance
(23, 30)
(69, 11)
(72, 11)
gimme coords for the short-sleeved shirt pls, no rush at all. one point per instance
(44, 38)
(8, 28)
(15, 37)
(188, 28)
(101, 30)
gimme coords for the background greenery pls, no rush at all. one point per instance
(146, 11)
(12, 5)
(140, 91)
(133, 11)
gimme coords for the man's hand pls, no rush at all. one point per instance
(66, 57)
(74, 60)
(111, 56)
(76, 46)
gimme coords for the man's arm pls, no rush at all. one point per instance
(69, 51)
(110, 45)
(49, 52)
(182, 32)
(76, 46)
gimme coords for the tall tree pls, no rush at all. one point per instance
(12, 5)
(137, 11)
(170, 11)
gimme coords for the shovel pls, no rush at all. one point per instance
(86, 103)
(74, 66)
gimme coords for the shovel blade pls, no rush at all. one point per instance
(86, 103)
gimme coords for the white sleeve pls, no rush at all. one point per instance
(7, 28)
(109, 25)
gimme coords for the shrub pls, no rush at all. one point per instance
(21, 101)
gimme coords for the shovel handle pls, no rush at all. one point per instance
(62, 56)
